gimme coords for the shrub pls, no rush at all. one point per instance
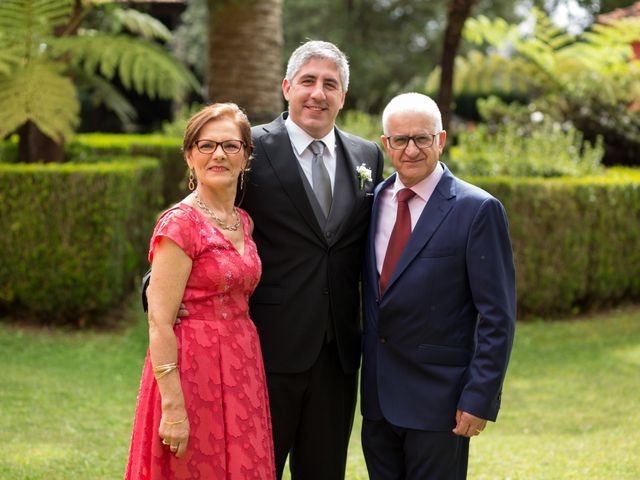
(575, 240)
(9, 150)
(552, 150)
(361, 124)
(100, 147)
(74, 236)
(591, 79)
(176, 127)
(106, 147)
(520, 141)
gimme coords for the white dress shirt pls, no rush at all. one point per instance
(300, 141)
(388, 208)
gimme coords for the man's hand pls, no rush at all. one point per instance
(182, 312)
(468, 425)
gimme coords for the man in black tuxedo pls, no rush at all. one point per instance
(310, 226)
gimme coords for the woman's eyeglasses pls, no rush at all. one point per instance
(207, 147)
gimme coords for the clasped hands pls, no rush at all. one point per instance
(468, 425)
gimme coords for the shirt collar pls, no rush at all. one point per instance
(301, 139)
(425, 187)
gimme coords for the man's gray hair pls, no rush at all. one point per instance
(415, 103)
(322, 50)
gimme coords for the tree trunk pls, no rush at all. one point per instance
(245, 56)
(457, 13)
(35, 147)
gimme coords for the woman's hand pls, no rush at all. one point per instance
(174, 433)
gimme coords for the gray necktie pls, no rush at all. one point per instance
(320, 177)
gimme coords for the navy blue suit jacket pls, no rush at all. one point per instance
(441, 336)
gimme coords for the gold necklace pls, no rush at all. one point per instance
(210, 212)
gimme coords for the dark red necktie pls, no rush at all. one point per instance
(399, 237)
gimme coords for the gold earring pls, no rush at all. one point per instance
(242, 179)
(192, 184)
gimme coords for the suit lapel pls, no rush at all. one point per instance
(343, 195)
(435, 211)
(352, 159)
(279, 153)
(348, 196)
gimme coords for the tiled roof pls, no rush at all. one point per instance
(618, 13)
(177, 2)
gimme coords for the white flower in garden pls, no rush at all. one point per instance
(537, 117)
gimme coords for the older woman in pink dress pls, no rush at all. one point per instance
(202, 410)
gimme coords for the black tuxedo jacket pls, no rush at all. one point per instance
(310, 267)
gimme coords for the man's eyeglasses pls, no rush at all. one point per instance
(207, 147)
(400, 142)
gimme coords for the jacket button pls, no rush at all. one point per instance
(328, 234)
(383, 339)
(325, 291)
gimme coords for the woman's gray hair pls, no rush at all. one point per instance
(412, 102)
(318, 49)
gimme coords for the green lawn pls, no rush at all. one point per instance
(570, 406)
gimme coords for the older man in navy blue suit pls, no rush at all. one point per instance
(439, 306)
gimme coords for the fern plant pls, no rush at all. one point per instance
(46, 55)
(546, 59)
(591, 80)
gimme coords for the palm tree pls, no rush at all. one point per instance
(245, 55)
(46, 56)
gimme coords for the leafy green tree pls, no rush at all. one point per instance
(388, 42)
(391, 44)
(47, 55)
(591, 80)
(189, 42)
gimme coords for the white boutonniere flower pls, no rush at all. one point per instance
(364, 174)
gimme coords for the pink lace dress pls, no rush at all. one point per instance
(219, 361)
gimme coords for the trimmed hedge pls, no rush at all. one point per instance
(576, 241)
(92, 147)
(74, 236)
(104, 147)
